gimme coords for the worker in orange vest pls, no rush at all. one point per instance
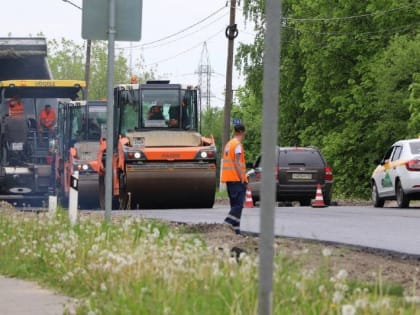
(16, 108)
(233, 173)
(47, 119)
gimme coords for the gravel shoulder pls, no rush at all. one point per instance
(362, 264)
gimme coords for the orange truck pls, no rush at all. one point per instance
(160, 159)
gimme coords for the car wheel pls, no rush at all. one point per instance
(402, 199)
(378, 202)
(327, 201)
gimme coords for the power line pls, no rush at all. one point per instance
(179, 38)
(73, 4)
(360, 39)
(184, 51)
(181, 31)
(351, 16)
(176, 40)
(333, 34)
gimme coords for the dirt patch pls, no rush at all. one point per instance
(364, 265)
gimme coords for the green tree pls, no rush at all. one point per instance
(348, 80)
(67, 61)
(99, 72)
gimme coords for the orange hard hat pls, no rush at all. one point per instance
(134, 79)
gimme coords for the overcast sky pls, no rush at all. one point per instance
(174, 57)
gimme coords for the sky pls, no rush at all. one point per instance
(174, 36)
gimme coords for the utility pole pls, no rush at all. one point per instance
(87, 66)
(231, 33)
(88, 53)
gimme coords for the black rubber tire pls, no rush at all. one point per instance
(377, 201)
(101, 189)
(402, 199)
(305, 202)
(115, 200)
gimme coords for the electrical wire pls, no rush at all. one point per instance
(186, 50)
(175, 40)
(351, 16)
(185, 29)
(335, 34)
(325, 43)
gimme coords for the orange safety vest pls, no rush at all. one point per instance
(229, 173)
(47, 119)
(17, 110)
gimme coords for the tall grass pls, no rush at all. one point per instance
(139, 266)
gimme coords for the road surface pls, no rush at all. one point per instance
(391, 229)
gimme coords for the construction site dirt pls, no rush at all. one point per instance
(362, 264)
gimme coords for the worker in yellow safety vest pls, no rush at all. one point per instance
(233, 173)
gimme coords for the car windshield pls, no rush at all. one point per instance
(97, 117)
(301, 157)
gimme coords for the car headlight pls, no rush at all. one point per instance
(82, 167)
(206, 154)
(134, 155)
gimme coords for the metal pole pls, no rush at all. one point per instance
(269, 143)
(87, 66)
(110, 108)
(88, 53)
(231, 33)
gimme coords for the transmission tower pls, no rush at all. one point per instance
(204, 76)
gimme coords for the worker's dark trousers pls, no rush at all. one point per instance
(236, 192)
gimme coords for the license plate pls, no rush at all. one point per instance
(17, 146)
(138, 143)
(301, 176)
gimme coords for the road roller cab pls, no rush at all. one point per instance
(80, 124)
(160, 158)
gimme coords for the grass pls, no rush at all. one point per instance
(139, 266)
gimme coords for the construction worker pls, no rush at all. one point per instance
(16, 108)
(233, 173)
(155, 113)
(47, 119)
(174, 113)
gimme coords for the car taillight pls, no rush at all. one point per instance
(328, 176)
(413, 165)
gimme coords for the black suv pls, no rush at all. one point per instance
(298, 172)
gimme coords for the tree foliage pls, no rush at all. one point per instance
(349, 80)
(67, 60)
